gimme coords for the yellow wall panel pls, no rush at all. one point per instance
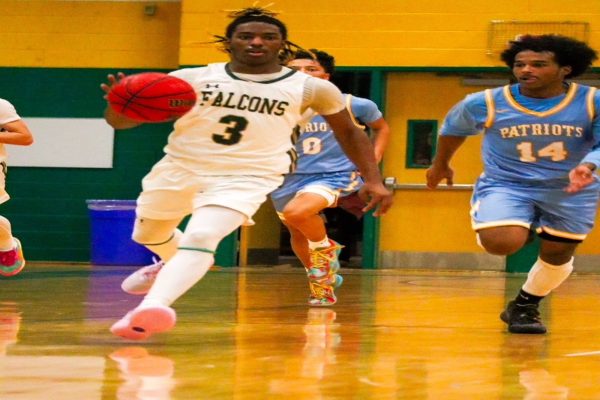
(89, 34)
(388, 32)
(422, 221)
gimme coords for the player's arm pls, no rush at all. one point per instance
(583, 175)
(466, 118)
(440, 168)
(381, 137)
(16, 132)
(114, 119)
(367, 111)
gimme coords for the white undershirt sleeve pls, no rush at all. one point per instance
(322, 96)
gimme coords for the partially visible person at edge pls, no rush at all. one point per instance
(13, 130)
(221, 162)
(540, 151)
(323, 174)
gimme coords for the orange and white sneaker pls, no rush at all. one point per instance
(12, 261)
(140, 281)
(141, 322)
(322, 274)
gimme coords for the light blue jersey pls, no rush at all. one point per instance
(528, 140)
(322, 166)
(529, 147)
(318, 150)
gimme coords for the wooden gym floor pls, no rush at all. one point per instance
(247, 334)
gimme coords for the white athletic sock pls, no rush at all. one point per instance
(178, 275)
(544, 277)
(207, 227)
(320, 244)
(168, 249)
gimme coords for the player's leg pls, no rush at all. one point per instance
(12, 260)
(551, 269)
(299, 245)
(298, 204)
(564, 222)
(195, 255)
(161, 237)
(166, 198)
(220, 206)
(502, 217)
(207, 227)
(302, 215)
(503, 240)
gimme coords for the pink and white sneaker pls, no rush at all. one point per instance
(12, 261)
(141, 322)
(140, 281)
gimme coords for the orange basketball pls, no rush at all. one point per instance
(152, 97)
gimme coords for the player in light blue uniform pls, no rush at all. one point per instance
(321, 161)
(540, 150)
(323, 175)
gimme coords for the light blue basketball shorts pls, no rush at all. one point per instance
(541, 208)
(329, 185)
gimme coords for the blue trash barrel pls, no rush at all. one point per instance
(111, 225)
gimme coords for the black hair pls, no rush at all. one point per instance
(254, 14)
(258, 14)
(567, 51)
(326, 60)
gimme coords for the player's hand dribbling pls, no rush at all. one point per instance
(377, 197)
(579, 177)
(435, 174)
(112, 80)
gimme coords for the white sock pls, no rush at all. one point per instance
(178, 275)
(207, 227)
(320, 244)
(544, 277)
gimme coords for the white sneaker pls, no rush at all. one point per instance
(142, 280)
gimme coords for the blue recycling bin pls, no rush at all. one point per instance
(111, 225)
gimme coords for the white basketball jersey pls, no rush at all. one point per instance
(237, 127)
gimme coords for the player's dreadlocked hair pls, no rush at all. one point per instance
(567, 51)
(258, 14)
(326, 60)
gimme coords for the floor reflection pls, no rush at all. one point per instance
(248, 334)
(145, 377)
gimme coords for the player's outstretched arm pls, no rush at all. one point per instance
(114, 119)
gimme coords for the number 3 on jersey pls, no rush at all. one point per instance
(233, 132)
(556, 151)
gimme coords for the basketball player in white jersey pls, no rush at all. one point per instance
(226, 155)
(13, 130)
